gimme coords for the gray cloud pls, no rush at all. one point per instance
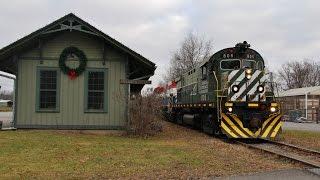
(280, 30)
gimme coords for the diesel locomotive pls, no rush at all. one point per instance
(231, 94)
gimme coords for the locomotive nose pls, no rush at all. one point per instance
(255, 123)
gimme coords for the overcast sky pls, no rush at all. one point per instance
(281, 30)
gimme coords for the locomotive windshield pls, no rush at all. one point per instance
(231, 64)
(249, 64)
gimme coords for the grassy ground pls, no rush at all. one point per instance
(175, 153)
(306, 139)
(5, 109)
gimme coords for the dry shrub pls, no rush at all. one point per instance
(145, 115)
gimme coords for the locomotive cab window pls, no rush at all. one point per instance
(260, 65)
(204, 72)
(230, 64)
(249, 64)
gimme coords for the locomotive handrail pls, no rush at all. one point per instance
(217, 90)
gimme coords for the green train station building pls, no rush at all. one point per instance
(68, 76)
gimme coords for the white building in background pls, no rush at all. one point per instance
(306, 99)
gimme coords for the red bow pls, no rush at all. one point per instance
(72, 74)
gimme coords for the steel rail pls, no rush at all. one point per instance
(297, 159)
(293, 146)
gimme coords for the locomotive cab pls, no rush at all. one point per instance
(247, 105)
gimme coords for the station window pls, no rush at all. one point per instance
(230, 64)
(96, 91)
(47, 90)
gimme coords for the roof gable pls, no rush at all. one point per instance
(72, 23)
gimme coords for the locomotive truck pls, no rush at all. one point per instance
(231, 94)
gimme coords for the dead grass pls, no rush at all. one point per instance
(306, 139)
(176, 153)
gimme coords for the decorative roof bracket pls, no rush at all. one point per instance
(70, 25)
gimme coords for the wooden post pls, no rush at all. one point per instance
(318, 115)
(129, 82)
(306, 105)
(128, 105)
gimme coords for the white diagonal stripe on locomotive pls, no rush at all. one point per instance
(236, 95)
(256, 94)
(243, 86)
(260, 82)
(235, 80)
(251, 87)
(239, 81)
(254, 79)
(254, 91)
(234, 75)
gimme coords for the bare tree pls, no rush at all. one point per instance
(194, 49)
(298, 74)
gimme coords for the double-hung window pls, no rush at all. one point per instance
(95, 97)
(47, 90)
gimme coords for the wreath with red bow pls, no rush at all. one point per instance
(72, 72)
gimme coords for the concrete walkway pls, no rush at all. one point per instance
(301, 126)
(291, 174)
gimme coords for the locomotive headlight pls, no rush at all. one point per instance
(260, 89)
(273, 109)
(235, 88)
(248, 73)
(230, 109)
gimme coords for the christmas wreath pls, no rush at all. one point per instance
(72, 72)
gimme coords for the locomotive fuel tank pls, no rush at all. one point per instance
(190, 119)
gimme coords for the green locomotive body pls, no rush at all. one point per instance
(230, 94)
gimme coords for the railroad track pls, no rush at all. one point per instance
(299, 154)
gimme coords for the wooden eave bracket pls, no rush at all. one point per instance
(70, 27)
